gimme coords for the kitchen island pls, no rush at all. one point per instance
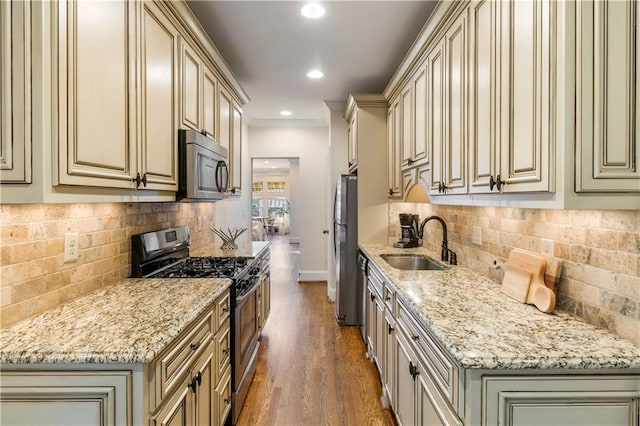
(452, 349)
(121, 355)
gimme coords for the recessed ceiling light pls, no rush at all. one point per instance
(315, 74)
(285, 113)
(266, 161)
(312, 10)
(273, 167)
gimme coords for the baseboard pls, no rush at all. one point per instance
(312, 276)
(332, 294)
(294, 240)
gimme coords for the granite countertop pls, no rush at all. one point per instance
(247, 249)
(129, 322)
(483, 328)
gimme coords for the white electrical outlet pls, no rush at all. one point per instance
(70, 247)
(477, 236)
(547, 247)
(199, 225)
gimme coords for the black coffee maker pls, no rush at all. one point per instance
(409, 228)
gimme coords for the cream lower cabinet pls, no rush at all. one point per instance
(607, 115)
(188, 383)
(101, 140)
(15, 81)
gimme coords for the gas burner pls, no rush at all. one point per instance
(205, 267)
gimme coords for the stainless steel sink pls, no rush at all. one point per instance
(412, 262)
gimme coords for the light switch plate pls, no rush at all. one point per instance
(70, 247)
(476, 238)
(547, 247)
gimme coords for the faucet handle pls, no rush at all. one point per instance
(453, 257)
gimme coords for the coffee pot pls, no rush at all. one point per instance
(409, 231)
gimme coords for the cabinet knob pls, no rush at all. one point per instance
(193, 385)
(195, 346)
(372, 296)
(413, 370)
(140, 179)
(225, 309)
(389, 328)
(388, 298)
(227, 401)
(226, 351)
(414, 337)
(499, 183)
(198, 378)
(410, 162)
(390, 192)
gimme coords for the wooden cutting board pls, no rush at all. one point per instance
(521, 263)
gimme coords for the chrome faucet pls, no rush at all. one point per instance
(444, 254)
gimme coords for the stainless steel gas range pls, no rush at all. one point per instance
(165, 254)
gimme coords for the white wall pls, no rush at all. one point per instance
(310, 145)
(294, 193)
(235, 212)
(337, 165)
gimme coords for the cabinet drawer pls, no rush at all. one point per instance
(223, 309)
(375, 278)
(444, 371)
(223, 349)
(177, 359)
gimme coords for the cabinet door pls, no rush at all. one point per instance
(226, 116)
(406, 125)
(352, 142)
(66, 398)
(159, 59)
(178, 410)
(223, 399)
(15, 90)
(483, 90)
(404, 402)
(381, 333)
(455, 100)
(209, 108)
(222, 341)
(420, 151)
(96, 78)
(190, 88)
(371, 322)
(435, 115)
(525, 72)
(390, 357)
(205, 399)
(236, 152)
(266, 297)
(607, 116)
(394, 172)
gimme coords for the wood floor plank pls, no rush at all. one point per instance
(310, 371)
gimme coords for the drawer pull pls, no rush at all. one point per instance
(198, 378)
(372, 297)
(226, 351)
(195, 346)
(389, 328)
(414, 337)
(413, 370)
(225, 309)
(388, 298)
(227, 400)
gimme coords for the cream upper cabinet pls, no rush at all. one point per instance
(225, 119)
(191, 88)
(525, 104)
(352, 143)
(159, 56)
(510, 133)
(483, 95)
(235, 173)
(406, 125)
(198, 90)
(420, 150)
(394, 172)
(607, 116)
(210, 102)
(447, 110)
(96, 93)
(15, 80)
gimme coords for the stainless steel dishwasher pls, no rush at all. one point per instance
(362, 287)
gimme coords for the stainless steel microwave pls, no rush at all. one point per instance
(203, 173)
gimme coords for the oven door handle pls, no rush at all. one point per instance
(240, 300)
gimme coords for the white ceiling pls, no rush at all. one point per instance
(271, 165)
(270, 47)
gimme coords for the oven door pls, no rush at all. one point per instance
(246, 331)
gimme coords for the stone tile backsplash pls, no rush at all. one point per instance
(600, 250)
(33, 275)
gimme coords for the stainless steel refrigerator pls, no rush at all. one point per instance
(345, 238)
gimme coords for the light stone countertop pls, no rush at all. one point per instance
(129, 322)
(483, 328)
(251, 249)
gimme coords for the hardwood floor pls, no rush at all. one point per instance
(310, 370)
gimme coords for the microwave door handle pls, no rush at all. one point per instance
(225, 176)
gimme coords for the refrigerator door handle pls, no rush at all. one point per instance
(335, 198)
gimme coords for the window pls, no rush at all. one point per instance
(257, 186)
(257, 207)
(276, 187)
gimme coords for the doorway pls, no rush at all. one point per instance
(275, 198)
